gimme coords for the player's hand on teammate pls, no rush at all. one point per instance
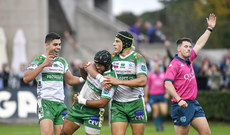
(106, 85)
(112, 80)
(75, 98)
(211, 21)
(48, 60)
(183, 103)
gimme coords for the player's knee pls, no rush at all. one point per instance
(47, 132)
(63, 132)
(206, 132)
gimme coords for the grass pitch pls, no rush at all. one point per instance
(216, 128)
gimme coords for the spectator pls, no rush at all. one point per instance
(196, 67)
(149, 30)
(154, 32)
(223, 69)
(4, 75)
(136, 32)
(20, 75)
(215, 78)
(227, 74)
(156, 59)
(205, 67)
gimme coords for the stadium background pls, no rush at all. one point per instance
(92, 26)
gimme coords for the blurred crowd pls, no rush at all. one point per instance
(13, 80)
(210, 76)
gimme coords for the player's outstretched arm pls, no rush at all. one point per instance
(211, 21)
(72, 80)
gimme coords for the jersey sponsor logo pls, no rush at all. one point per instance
(63, 115)
(55, 65)
(52, 77)
(40, 112)
(170, 65)
(58, 64)
(60, 70)
(93, 120)
(59, 60)
(122, 65)
(40, 58)
(131, 60)
(115, 64)
(189, 76)
(126, 77)
(183, 119)
(139, 115)
(131, 65)
(143, 68)
(39, 84)
(106, 92)
(182, 65)
(137, 56)
(33, 66)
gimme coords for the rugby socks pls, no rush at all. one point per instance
(162, 119)
(157, 123)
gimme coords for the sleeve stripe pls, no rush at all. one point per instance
(168, 80)
(107, 97)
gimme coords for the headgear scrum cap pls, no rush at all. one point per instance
(126, 40)
(103, 57)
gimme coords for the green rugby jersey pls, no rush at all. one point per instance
(128, 68)
(92, 89)
(50, 79)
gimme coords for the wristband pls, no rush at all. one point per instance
(81, 100)
(81, 80)
(100, 78)
(179, 101)
(209, 29)
(88, 63)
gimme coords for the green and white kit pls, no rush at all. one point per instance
(91, 117)
(50, 90)
(50, 79)
(128, 68)
(128, 104)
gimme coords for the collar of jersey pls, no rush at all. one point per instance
(45, 56)
(180, 59)
(108, 71)
(126, 55)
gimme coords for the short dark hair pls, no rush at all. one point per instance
(179, 41)
(51, 36)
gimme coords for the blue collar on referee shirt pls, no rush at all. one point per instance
(188, 62)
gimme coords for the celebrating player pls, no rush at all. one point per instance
(50, 71)
(92, 94)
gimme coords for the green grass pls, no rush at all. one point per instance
(216, 128)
